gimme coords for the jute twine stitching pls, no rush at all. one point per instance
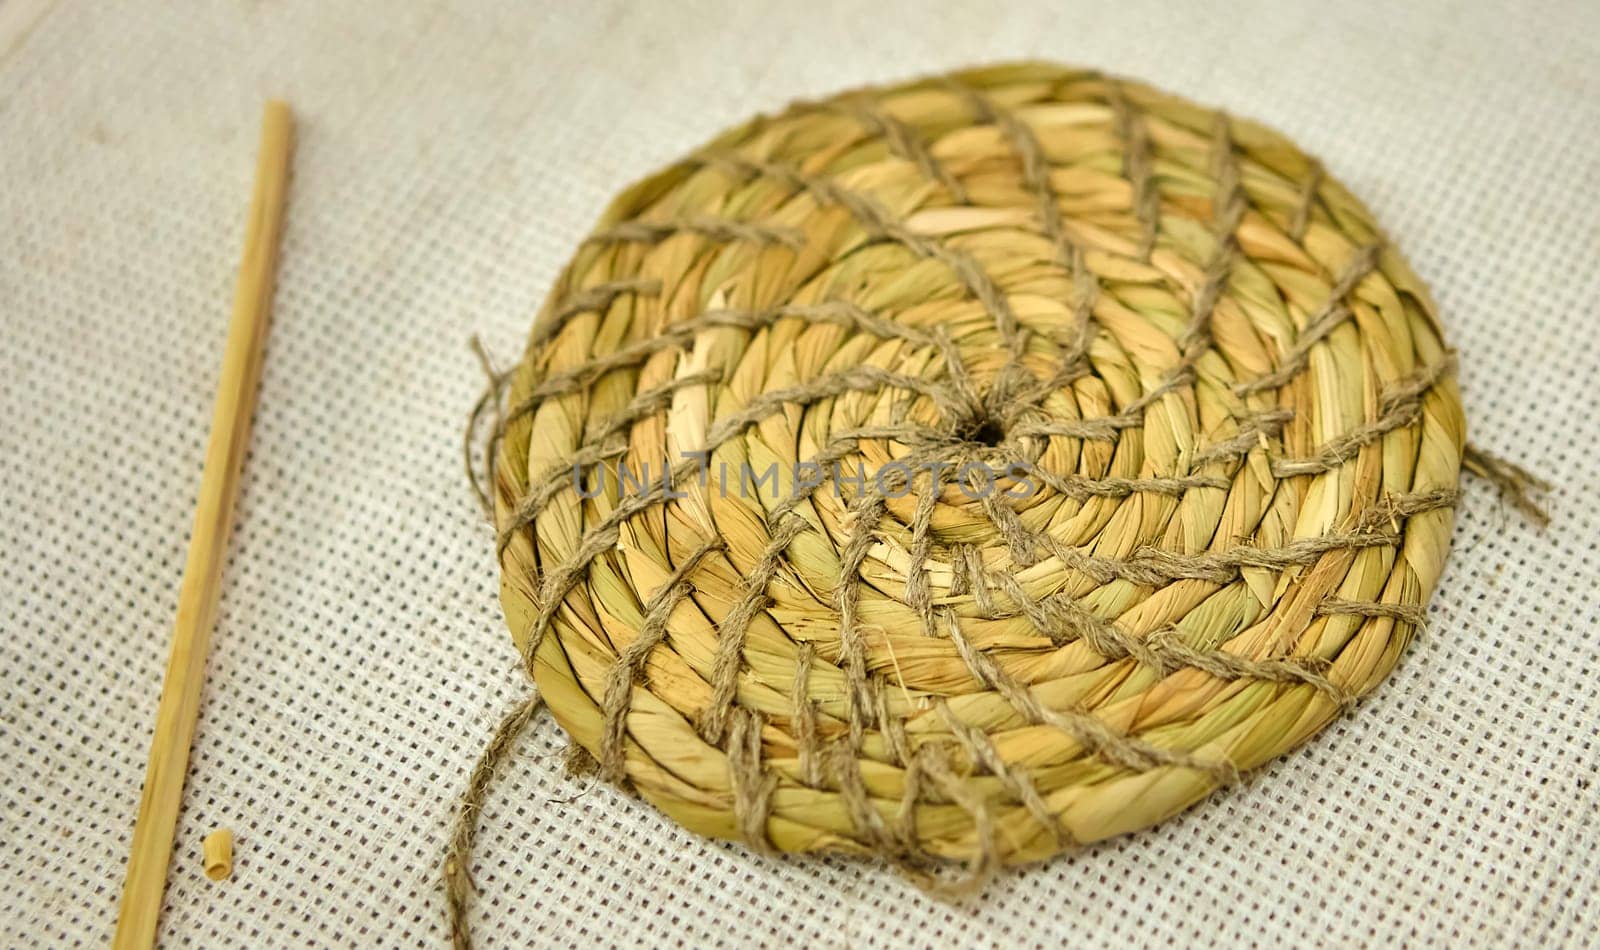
(1230, 395)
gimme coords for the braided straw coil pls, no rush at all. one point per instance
(1128, 451)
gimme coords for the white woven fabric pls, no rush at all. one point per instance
(448, 162)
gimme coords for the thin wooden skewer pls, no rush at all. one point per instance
(208, 546)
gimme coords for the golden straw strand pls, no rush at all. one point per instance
(197, 600)
(216, 853)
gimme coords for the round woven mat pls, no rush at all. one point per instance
(972, 468)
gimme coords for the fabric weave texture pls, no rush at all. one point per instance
(449, 159)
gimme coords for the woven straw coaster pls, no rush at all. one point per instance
(971, 469)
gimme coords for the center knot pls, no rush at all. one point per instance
(984, 430)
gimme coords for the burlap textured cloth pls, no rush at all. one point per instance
(450, 159)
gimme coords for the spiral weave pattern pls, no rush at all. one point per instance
(973, 468)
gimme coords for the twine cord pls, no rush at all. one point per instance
(464, 829)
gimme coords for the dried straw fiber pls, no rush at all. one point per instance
(1219, 405)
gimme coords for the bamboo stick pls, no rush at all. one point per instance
(197, 599)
